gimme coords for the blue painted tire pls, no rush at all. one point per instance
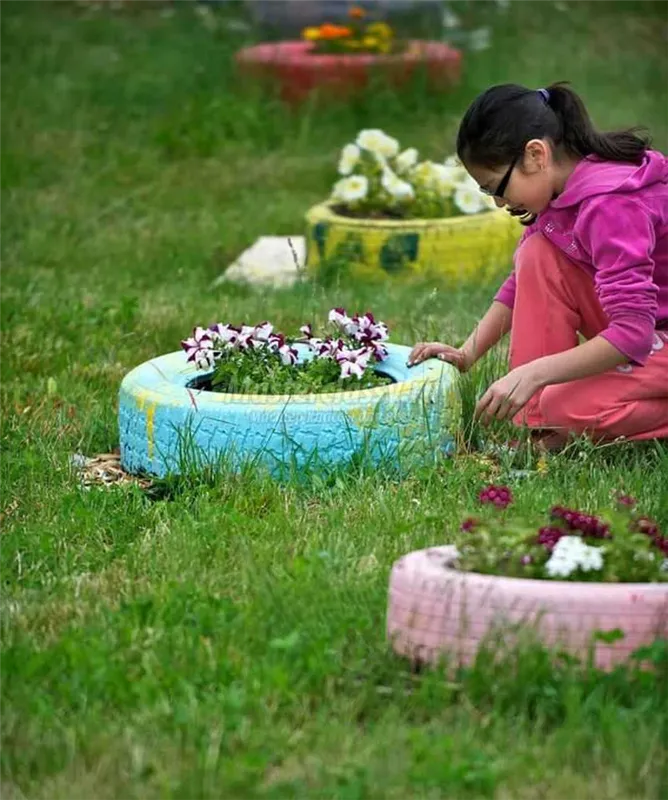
(167, 426)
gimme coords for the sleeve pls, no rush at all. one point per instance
(506, 293)
(619, 237)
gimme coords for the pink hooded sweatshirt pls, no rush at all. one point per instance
(612, 220)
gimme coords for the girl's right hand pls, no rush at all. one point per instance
(453, 355)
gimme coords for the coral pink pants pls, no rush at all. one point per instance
(555, 301)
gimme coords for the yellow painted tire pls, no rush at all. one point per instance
(472, 247)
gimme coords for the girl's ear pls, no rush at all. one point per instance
(537, 155)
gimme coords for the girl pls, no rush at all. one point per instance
(593, 261)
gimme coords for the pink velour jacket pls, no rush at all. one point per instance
(612, 220)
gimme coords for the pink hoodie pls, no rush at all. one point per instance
(612, 220)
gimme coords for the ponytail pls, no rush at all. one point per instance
(580, 138)
(500, 122)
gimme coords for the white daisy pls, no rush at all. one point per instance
(350, 189)
(395, 186)
(406, 160)
(469, 200)
(377, 141)
(349, 157)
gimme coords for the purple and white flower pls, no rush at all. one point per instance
(378, 350)
(339, 317)
(263, 331)
(205, 359)
(275, 342)
(353, 362)
(306, 331)
(225, 335)
(288, 355)
(329, 348)
(200, 341)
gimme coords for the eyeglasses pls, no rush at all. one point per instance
(503, 184)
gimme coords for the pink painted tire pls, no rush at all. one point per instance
(298, 71)
(436, 611)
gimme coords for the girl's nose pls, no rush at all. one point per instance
(499, 202)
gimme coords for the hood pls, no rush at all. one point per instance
(594, 176)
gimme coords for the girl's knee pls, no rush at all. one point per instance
(565, 407)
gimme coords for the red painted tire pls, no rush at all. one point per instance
(298, 71)
(435, 610)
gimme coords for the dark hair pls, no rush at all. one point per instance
(501, 120)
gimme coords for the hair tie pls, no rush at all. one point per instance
(544, 93)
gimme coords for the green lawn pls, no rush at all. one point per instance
(226, 640)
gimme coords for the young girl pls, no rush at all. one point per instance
(593, 261)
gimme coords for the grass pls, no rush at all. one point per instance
(225, 638)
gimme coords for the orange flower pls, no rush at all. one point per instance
(356, 12)
(328, 31)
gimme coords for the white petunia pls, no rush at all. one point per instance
(395, 186)
(350, 189)
(406, 160)
(572, 553)
(469, 200)
(349, 157)
(376, 141)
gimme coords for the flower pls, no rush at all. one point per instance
(311, 34)
(263, 331)
(469, 524)
(468, 199)
(587, 524)
(338, 316)
(549, 535)
(571, 553)
(288, 355)
(356, 12)
(350, 189)
(380, 29)
(349, 157)
(225, 335)
(199, 343)
(526, 560)
(435, 177)
(406, 160)
(395, 186)
(353, 362)
(376, 141)
(626, 501)
(328, 348)
(306, 330)
(204, 359)
(329, 31)
(500, 496)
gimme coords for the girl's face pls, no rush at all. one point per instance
(526, 185)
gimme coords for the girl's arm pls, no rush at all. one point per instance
(590, 358)
(491, 328)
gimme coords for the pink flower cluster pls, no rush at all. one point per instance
(650, 528)
(499, 496)
(363, 342)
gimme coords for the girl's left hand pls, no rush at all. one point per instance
(510, 394)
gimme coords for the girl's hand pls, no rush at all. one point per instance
(453, 355)
(510, 394)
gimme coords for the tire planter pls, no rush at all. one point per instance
(476, 246)
(435, 610)
(164, 419)
(297, 71)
